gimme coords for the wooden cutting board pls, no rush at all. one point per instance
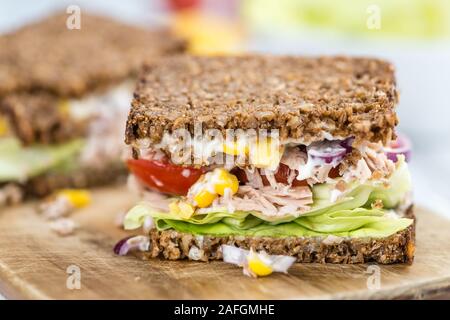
(36, 263)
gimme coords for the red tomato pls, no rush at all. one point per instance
(163, 176)
(183, 4)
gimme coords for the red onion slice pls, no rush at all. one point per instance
(347, 144)
(402, 145)
(118, 247)
(328, 151)
(141, 243)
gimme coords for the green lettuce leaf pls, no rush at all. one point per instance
(374, 228)
(399, 185)
(341, 220)
(17, 163)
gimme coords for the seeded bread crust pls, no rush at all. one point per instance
(397, 248)
(302, 97)
(50, 57)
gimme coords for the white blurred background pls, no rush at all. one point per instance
(413, 34)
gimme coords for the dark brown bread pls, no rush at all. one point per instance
(397, 248)
(39, 117)
(48, 56)
(302, 97)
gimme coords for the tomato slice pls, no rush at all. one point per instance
(163, 176)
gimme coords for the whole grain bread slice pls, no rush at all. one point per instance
(303, 97)
(397, 248)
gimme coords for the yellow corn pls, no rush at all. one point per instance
(257, 266)
(225, 180)
(236, 148)
(173, 208)
(78, 198)
(182, 209)
(186, 210)
(212, 184)
(63, 107)
(266, 153)
(3, 126)
(204, 198)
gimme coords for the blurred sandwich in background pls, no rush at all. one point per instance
(64, 99)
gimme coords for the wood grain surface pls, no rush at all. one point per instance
(34, 262)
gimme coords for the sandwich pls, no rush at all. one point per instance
(64, 99)
(293, 156)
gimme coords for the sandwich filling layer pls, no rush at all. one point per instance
(327, 188)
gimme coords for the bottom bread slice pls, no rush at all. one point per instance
(397, 248)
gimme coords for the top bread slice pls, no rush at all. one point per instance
(305, 98)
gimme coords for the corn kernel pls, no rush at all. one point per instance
(182, 209)
(266, 153)
(257, 266)
(173, 208)
(4, 129)
(186, 210)
(225, 180)
(63, 107)
(77, 198)
(204, 198)
(236, 148)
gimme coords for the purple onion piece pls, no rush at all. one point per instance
(119, 245)
(327, 151)
(329, 160)
(141, 243)
(400, 146)
(392, 155)
(347, 144)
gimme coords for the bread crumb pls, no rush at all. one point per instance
(63, 226)
(55, 207)
(377, 204)
(10, 194)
